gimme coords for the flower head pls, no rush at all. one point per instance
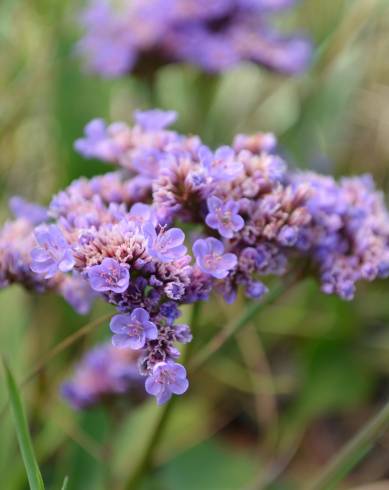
(133, 329)
(110, 275)
(223, 216)
(210, 257)
(53, 252)
(122, 35)
(166, 379)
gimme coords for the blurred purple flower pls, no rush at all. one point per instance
(222, 164)
(125, 36)
(104, 371)
(288, 235)
(133, 329)
(155, 119)
(182, 333)
(97, 143)
(78, 293)
(32, 212)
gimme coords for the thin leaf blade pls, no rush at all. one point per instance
(23, 434)
(65, 483)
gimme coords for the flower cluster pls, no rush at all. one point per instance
(103, 373)
(121, 235)
(132, 35)
(21, 262)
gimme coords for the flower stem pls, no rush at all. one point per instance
(146, 459)
(342, 463)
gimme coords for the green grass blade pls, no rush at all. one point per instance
(65, 483)
(33, 473)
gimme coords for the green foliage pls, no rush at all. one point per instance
(209, 465)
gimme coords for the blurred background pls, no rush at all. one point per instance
(311, 369)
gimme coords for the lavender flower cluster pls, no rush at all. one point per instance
(120, 235)
(131, 35)
(104, 372)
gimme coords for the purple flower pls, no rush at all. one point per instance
(121, 35)
(166, 379)
(147, 161)
(255, 289)
(288, 235)
(97, 142)
(133, 329)
(142, 213)
(170, 311)
(210, 257)
(53, 252)
(223, 216)
(155, 119)
(104, 371)
(182, 333)
(110, 275)
(108, 45)
(77, 293)
(166, 246)
(32, 212)
(221, 165)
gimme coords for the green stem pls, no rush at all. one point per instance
(249, 313)
(341, 465)
(146, 459)
(205, 91)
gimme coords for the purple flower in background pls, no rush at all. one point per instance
(97, 143)
(133, 329)
(223, 216)
(210, 257)
(32, 212)
(123, 36)
(267, 5)
(255, 289)
(53, 252)
(77, 292)
(166, 379)
(110, 275)
(155, 119)
(166, 246)
(104, 371)
(109, 45)
(222, 164)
